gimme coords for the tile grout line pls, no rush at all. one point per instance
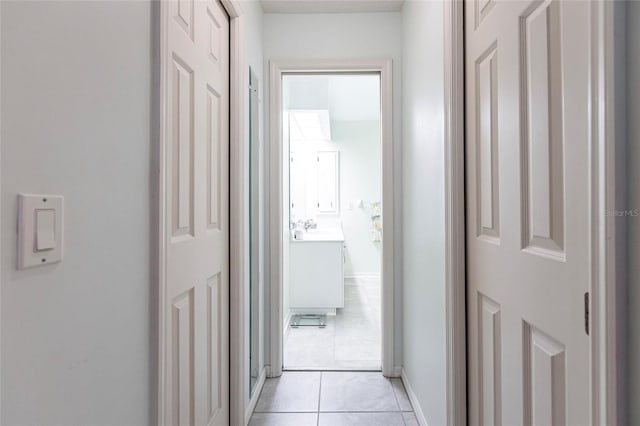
(335, 331)
(354, 412)
(395, 395)
(319, 398)
(404, 421)
(334, 412)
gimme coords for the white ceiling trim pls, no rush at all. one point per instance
(331, 6)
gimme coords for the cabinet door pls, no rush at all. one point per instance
(317, 280)
(328, 173)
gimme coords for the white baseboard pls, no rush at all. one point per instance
(417, 409)
(312, 311)
(256, 395)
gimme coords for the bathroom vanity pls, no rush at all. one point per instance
(317, 271)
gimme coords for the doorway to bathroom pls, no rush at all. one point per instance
(331, 296)
(331, 169)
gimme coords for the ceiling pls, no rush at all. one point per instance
(347, 97)
(331, 6)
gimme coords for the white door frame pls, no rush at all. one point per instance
(310, 66)
(606, 276)
(238, 375)
(236, 204)
(0, 197)
(455, 294)
(238, 328)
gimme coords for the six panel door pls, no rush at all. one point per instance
(527, 166)
(196, 376)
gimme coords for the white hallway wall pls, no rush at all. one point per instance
(77, 116)
(423, 246)
(76, 112)
(357, 35)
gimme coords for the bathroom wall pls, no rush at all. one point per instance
(424, 207)
(360, 179)
(348, 36)
(359, 146)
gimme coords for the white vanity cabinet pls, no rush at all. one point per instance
(316, 275)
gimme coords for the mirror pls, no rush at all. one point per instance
(254, 231)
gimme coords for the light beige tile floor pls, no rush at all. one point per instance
(323, 398)
(350, 341)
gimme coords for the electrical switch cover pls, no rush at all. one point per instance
(40, 230)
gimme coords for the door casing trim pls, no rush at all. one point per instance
(606, 273)
(238, 205)
(310, 66)
(454, 170)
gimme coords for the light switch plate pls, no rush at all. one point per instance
(47, 248)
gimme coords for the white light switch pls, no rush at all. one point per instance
(40, 230)
(45, 229)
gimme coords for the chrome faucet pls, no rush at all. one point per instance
(310, 224)
(306, 224)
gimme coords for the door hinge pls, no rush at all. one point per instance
(586, 313)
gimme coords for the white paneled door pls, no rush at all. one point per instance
(527, 159)
(196, 134)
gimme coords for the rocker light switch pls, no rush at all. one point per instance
(45, 229)
(40, 230)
